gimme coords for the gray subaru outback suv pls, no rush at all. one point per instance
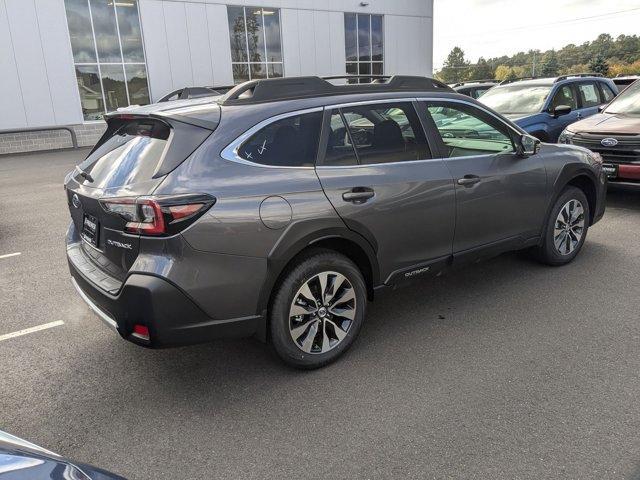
(279, 209)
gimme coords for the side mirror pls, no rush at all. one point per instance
(561, 110)
(602, 107)
(527, 145)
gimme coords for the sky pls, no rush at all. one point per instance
(491, 28)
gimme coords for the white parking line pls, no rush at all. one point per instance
(27, 331)
(8, 255)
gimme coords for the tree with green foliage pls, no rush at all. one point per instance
(621, 54)
(481, 70)
(455, 68)
(550, 65)
(599, 65)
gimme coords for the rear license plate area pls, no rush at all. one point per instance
(90, 229)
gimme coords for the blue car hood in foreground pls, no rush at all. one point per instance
(22, 460)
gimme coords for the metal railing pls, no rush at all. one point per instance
(74, 138)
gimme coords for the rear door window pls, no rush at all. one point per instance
(589, 96)
(385, 133)
(340, 150)
(289, 142)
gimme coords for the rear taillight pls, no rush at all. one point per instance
(158, 216)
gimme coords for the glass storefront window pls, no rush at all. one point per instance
(115, 89)
(137, 84)
(106, 31)
(364, 44)
(256, 44)
(130, 33)
(80, 32)
(106, 41)
(90, 91)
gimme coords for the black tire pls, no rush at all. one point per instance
(305, 270)
(548, 252)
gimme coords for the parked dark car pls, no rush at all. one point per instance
(544, 107)
(282, 208)
(475, 88)
(623, 82)
(187, 93)
(614, 133)
(22, 460)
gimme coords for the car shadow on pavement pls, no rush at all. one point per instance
(419, 326)
(622, 196)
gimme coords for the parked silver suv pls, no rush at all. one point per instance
(280, 209)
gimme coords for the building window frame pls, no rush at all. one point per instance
(122, 63)
(248, 63)
(370, 62)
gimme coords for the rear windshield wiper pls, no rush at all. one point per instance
(85, 175)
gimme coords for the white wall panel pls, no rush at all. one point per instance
(156, 49)
(313, 42)
(34, 82)
(307, 42)
(12, 114)
(175, 23)
(336, 43)
(56, 47)
(199, 46)
(220, 49)
(290, 42)
(322, 44)
(408, 45)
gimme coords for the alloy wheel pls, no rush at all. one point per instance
(569, 227)
(322, 312)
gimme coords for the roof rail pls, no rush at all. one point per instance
(576, 75)
(289, 88)
(519, 79)
(490, 80)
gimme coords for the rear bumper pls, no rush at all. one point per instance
(172, 318)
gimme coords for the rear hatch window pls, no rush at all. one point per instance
(130, 155)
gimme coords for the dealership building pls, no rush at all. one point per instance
(68, 62)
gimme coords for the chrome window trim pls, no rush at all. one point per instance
(384, 164)
(370, 102)
(230, 152)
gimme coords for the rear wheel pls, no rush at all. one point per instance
(318, 310)
(566, 228)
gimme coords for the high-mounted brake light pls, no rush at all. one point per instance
(158, 215)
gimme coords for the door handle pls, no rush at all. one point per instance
(358, 195)
(468, 180)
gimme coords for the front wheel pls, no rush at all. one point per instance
(318, 310)
(566, 228)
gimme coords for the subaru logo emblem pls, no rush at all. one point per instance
(75, 200)
(609, 142)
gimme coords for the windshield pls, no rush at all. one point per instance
(513, 99)
(627, 102)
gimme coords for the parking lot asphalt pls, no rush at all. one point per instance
(506, 369)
